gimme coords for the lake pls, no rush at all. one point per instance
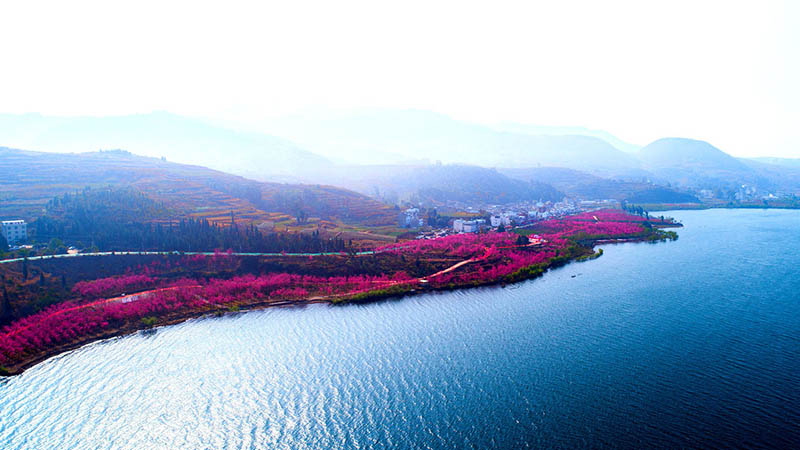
(688, 343)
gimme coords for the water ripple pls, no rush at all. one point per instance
(687, 344)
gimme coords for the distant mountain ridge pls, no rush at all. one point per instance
(694, 163)
(308, 147)
(436, 184)
(584, 186)
(539, 130)
(687, 153)
(417, 134)
(160, 134)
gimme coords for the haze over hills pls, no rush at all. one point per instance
(539, 130)
(396, 136)
(698, 164)
(158, 134)
(688, 153)
(408, 136)
(391, 154)
(436, 184)
(582, 185)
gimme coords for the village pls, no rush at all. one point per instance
(432, 224)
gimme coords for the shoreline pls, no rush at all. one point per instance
(130, 329)
(261, 304)
(658, 207)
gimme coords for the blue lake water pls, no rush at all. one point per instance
(688, 343)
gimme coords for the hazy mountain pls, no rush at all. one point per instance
(436, 184)
(542, 130)
(309, 145)
(160, 134)
(690, 162)
(585, 186)
(395, 136)
(689, 154)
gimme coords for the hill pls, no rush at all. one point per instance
(585, 186)
(541, 130)
(28, 180)
(690, 162)
(689, 154)
(160, 134)
(436, 184)
(399, 136)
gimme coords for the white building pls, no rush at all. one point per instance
(471, 226)
(468, 226)
(410, 218)
(14, 230)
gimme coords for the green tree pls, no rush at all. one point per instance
(6, 309)
(56, 246)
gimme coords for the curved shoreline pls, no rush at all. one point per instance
(257, 304)
(261, 303)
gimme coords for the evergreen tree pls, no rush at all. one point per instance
(5, 311)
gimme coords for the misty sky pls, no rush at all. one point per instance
(708, 70)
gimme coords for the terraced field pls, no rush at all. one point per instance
(28, 180)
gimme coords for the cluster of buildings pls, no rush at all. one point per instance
(488, 217)
(15, 231)
(505, 220)
(526, 212)
(516, 215)
(744, 193)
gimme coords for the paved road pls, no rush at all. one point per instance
(43, 257)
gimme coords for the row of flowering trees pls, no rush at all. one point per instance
(570, 227)
(146, 276)
(72, 320)
(459, 245)
(500, 266)
(112, 285)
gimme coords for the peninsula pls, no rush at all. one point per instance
(105, 295)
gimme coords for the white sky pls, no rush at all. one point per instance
(726, 71)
